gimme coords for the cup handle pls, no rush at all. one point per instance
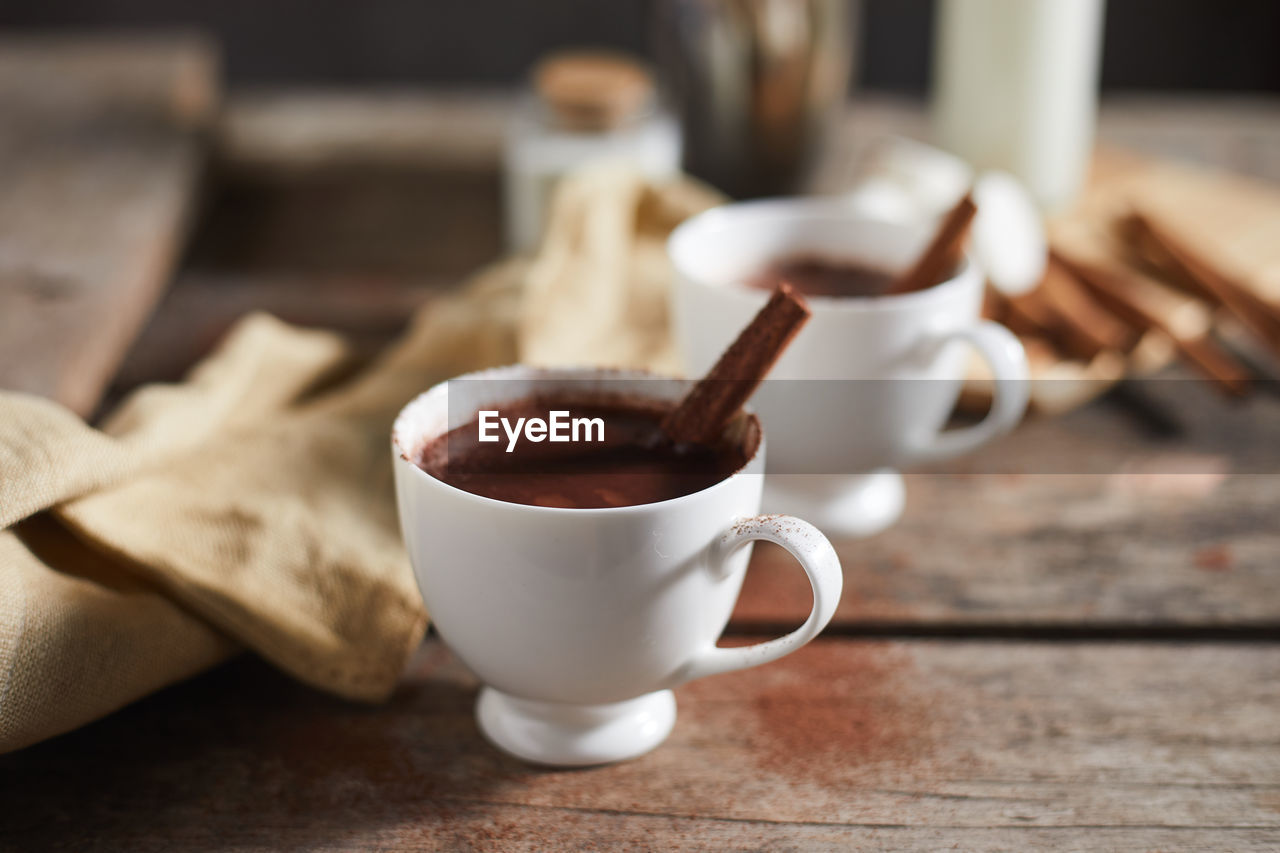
(819, 561)
(1008, 361)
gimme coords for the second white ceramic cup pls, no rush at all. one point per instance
(890, 367)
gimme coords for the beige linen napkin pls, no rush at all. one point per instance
(251, 505)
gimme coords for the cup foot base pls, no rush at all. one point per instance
(575, 735)
(857, 505)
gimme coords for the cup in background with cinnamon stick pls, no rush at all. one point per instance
(867, 387)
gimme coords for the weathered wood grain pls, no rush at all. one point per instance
(352, 218)
(1153, 509)
(100, 150)
(193, 316)
(289, 131)
(349, 247)
(914, 745)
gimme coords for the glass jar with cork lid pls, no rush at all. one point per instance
(586, 106)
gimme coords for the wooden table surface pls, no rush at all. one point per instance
(1069, 640)
(101, 148)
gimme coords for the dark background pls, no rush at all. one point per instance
(1179, 45)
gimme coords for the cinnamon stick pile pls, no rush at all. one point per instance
(1151, 285)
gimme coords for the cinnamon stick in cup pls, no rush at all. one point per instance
(712, 403)
(943, 252)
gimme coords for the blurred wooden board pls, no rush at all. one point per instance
(281, 132)
(101, 146)
(1232, 220)
(909, 744)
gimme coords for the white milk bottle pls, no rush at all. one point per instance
(1015, 88)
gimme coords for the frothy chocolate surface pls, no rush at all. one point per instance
(815, 275)
(634, 464)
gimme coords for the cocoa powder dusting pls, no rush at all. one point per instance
(1215, 558)
(857, 710)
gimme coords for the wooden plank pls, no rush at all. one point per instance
(433, 825)
(100, 150)
(358, 219)
(889, 744)
(1154, 509)
(369, 310)
(284, 131)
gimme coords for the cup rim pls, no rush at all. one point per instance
(791, 207)
(401, 427)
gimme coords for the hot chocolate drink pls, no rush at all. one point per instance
(816, 275)
(624, 460)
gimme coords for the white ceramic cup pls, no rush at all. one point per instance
(580, 621)
(894, 364)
